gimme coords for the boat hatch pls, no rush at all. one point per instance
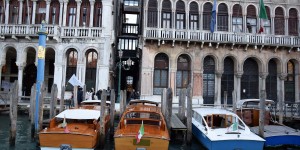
(65, 147)
(143, 142)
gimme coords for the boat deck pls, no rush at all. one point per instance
(276, 130)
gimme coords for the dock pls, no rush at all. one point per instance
(178, 127)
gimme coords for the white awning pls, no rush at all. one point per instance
(79, 114)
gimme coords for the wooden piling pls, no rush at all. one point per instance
(84, 93)
(41, 108)
(13, 112)
(189, 114)
(163, 101)
(102, 117)
(225, 99)
(234, 101)
(121, 103)
(169, 102)
(32, 103)
(112, 112)
(280, 105)
(262, 111)
(62, 99)
(32, 109)
(124, 99)
(53, 101)
(181, 111)
(75, 101)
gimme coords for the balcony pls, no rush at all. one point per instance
(54, 31)
(221, 37)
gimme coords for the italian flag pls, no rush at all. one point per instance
(140, 134)
(262, 15)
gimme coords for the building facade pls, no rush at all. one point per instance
(180, 50)
(79, 41)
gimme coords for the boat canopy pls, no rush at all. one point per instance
(251, 103)
(93, 101)
(79, 114)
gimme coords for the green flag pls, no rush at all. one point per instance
(262, 12)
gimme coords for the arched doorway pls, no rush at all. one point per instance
(289, 83)
(91, 65)
(209, 80)
(271, 81)
(183, 74)
(227, 81)
(29, 79)
(249, 81)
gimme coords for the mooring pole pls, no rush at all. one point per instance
(40, 71)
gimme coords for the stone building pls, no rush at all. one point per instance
(179, 49)
(80, 35)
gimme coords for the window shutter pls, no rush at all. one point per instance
(194, 8)
(237, 11)
(251, 11)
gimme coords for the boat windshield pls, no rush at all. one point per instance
(143, 115)
(224, 121)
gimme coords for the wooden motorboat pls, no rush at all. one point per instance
(77, 128)
(220, 129)
(142, 127)
(275, 134)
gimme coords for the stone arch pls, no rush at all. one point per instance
(261, 67)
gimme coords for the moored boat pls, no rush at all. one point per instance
(142, 127)
(275, 134)
(219, 129)
(77, 128)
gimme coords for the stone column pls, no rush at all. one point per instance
(20, 11)
(61, 5)
(107, 20)
(297, 88)
(47, 10)
(197, 83)
(218, 88)
(92, 3)
(78, 12)
(173, 80)
(286, 25)
(280, 102)
(262, 81)
(1, 65)
(200, 20)
(65, 12)
(272, 25)
(6, 11)
(20, 77)
(33, 11)
(237, 87)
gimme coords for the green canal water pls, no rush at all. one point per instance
(24, 141)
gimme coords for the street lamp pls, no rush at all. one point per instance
(126, 66)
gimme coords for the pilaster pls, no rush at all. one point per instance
(78, 2)
(20, 11)
(33, 11)
(92, 3)
(47, 10)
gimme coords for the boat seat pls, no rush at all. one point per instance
(148, 122)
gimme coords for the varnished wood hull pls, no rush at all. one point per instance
(55, 140)
(128, 143)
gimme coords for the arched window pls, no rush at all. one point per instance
(227, 81)
(249, 81)
(2, 17)
(222, 18)
(85, 13)
(26, 19)
(91, 65)
(166, 14)
(194, 16)
(279, 21)
(40, 14)
(180, 15)
(267, 24)
(271, 81)
(207, 15)
(293, 22)
(152, 13)
(14, 12)
(161, 73)
(183, 74)
(289, 83)
(54, 12)
(209, 80)
(237, 18)
(71, 65)
(251, 19)
(71, 13)
(98, 14)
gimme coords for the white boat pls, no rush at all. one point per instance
(275, 134)
(220, 129)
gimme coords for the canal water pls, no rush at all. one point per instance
(24, 142)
